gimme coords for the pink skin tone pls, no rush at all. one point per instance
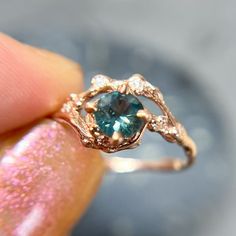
(47, 178)
(33, 82)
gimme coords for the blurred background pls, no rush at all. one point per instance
(187, 48)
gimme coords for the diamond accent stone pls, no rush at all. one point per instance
(136, 83)
(66, 107)
(159, 123)
(100, 81)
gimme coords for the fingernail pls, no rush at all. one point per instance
(47, 179)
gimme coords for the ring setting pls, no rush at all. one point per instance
(117, 120)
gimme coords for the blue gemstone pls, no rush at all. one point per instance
(117, 112)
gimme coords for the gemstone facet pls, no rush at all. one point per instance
(117, 112)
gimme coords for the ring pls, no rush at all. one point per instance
(116, 120)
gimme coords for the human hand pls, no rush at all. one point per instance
(47, 178)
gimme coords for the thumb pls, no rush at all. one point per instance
(47, 178)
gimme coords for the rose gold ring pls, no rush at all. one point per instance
(117, 120)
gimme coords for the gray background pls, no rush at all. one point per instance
(190, 47)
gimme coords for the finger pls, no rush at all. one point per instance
(47, 179)
(33, 82)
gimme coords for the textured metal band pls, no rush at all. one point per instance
(164, 124)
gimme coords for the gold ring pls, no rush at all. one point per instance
(117, 120)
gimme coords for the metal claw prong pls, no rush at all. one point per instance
(144, 114)
(117, 138)
(90, 107)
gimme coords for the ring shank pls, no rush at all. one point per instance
(129, 165)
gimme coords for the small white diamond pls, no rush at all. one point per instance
(162, 119)
(66, 108)
(136, 83)
(100, 81)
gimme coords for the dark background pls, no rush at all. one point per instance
(187, 48)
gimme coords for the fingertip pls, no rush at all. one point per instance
(47, 179)
(33, 82)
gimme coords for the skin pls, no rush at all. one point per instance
(47, 178)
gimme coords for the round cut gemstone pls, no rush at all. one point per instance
(117, 112)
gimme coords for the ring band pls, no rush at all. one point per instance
(117, 120)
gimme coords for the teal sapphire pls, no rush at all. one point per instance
(117, 112)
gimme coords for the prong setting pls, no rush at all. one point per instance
(90, 107)
(144, 114)
(117, 138)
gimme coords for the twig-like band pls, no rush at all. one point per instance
(93, 137)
